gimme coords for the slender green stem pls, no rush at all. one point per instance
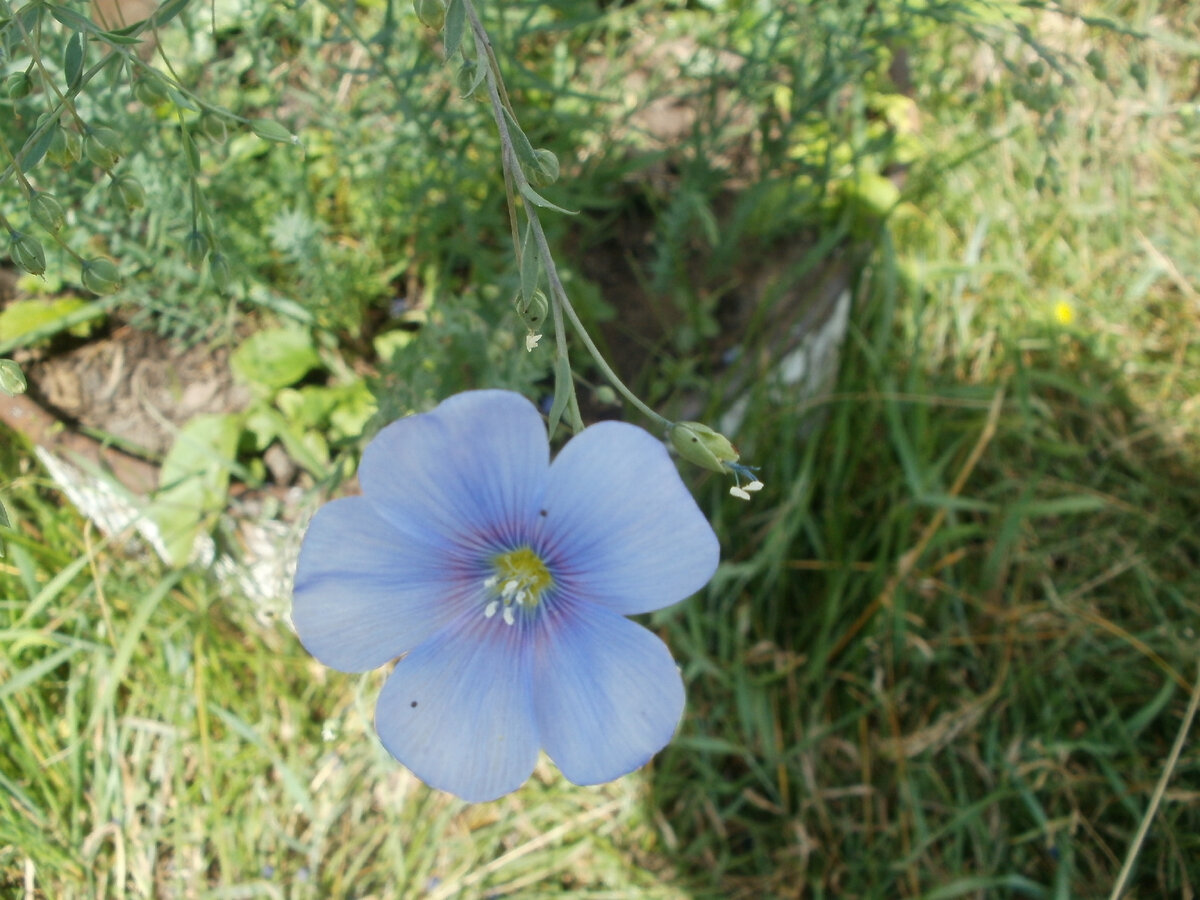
(514, 174)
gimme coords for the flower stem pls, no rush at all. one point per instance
(513, 174)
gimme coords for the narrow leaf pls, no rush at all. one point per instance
(74, 59)
(456, 21)
(562, 392)
(270, 130)
(521, 145)
(72, 19)
(538, 200)
(167, 12)
(530, 264)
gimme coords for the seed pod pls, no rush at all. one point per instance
(129, 192)
(18, 85)
(47, 212)
(103, 146)
(65, 148)
(100, 276)
(432, 13)
(149, 90)
(26, 251)
(213, 128)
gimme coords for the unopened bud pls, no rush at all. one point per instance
(103, 146)
(222, 275)
(12, 379)
(699, 444)
(26, 251)
(214, 128)
(432, 13)
(149, 90)
(543, 170)
(128, 191)
(100, 276)
(195, 248)
(47, 212)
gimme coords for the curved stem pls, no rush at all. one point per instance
(514, 174)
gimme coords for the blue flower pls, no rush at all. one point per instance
(502, 581)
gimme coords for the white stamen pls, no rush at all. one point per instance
(508, 615)
(739, 493)
(491, 582)
(510, 588)
(490, 609)
(755, 485)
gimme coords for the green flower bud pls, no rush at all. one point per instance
(65, 148)
(533, 313)
(195, 248)
(26, 251)
(100, 276)
(149, 90)
(432, 13)
(222, 275)
(699, 444)
(103, 146)
(543, 170)
(18, 85)
(12, 379)
(47, 212)
(213, 128)
(464, 78)
(1095, 60)
(128, 191)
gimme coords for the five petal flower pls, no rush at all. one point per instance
(502, 581)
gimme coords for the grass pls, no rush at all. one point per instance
(947, 655)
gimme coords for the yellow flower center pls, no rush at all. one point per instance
(520, 579)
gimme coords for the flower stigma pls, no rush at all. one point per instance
(521, 578)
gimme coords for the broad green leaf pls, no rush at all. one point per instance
(275, 358)
(194, 482)
(72, 19)
(24, 318)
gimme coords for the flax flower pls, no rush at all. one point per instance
(502, 582)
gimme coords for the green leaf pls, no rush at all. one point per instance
(167, 12)
(525, 155)
(270, 130)
(456, 20)
(194, 482)
(74, 59)
(73, 20)
(562, 392)
(275, 358)
(538, 200)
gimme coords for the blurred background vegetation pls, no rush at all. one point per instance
(951, 643)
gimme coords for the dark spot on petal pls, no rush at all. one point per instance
(541, 512)
(413, 704)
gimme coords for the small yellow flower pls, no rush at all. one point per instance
(1064, 312)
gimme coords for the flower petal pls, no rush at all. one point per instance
(458, 710)
(608, 694)
(620, 527)
(472, 470)
(364, 593)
